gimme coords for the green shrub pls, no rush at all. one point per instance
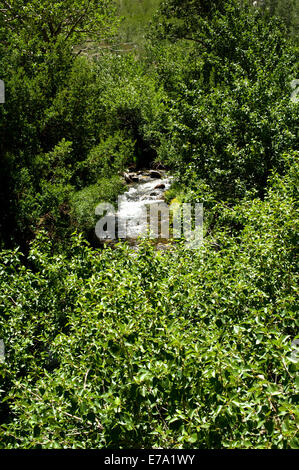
(175, 349)
(84, 202)
(107, 159)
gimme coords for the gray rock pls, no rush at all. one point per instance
(131, 178)
(127, 178)
(155, 174)
(134, 177)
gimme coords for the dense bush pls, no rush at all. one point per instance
(230, 113)
(126, 348)
(173, 349)
(103, 116)
(215, 104)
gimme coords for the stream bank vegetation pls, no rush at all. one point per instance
(175, 349)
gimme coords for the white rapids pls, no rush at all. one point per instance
(133, 204)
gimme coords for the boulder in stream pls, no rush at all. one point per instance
(155, 174)
(131, 178)
(160, 186)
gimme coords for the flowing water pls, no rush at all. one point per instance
(139, 197)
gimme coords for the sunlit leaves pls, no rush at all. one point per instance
(175, 349)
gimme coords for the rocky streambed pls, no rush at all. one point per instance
(145, 189)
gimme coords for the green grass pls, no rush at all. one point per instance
(137, 15)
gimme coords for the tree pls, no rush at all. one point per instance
(287, 10)
(68, 20)
(187, 19)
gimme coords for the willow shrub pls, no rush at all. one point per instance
(179, 349)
